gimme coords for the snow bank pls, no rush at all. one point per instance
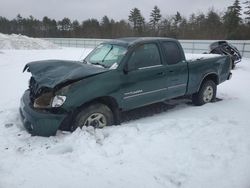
(15, 41)
(183, 147)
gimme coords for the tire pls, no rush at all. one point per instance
(206, 94)
(97, 115)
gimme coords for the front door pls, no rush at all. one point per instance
(145, 83)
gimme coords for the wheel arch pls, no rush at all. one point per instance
(106, 100)
(210, 76)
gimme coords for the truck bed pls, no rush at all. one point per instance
(193, 57)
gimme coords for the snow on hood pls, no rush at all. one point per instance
(50, 73)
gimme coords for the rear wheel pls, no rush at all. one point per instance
(96, 115)
(206, 94)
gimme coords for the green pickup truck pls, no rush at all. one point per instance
(118, 75)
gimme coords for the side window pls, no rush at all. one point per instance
(144, 56)
(172, 53)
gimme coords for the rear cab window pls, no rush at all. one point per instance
(172, 52)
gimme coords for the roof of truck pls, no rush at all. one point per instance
(130, 41)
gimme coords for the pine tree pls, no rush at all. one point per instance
(247, 12)
(106, 27)
(45, 26)
(91, 28)
(20, 27)
(76, 28)
(137, 19)
(213, 25)
(4, 25)
(65, 26)
(155, 18)
(232, 19)
(237, 8)
(176, 21)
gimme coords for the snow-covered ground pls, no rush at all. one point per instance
(183, 146)
(15, 41)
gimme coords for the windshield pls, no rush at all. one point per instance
(106, 55)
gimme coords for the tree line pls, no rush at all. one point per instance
(231, 24)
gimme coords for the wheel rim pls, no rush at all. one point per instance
(208, 94)
(96, 120)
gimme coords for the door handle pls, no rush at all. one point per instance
(171, 71)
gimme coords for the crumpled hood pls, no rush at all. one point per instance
(49, 73)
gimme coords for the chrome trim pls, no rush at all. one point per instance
(144, 93)
(140, 92)
(133, 92)
(149, 67)
(176, 86)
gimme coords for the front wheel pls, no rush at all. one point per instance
(206, 94)
(96, 115)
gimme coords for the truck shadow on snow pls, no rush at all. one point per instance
(157, 108)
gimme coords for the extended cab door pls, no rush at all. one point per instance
(145, 81)
(176, 71)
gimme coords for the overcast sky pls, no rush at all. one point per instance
(116, 9)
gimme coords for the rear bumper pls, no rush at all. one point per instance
(37, 122)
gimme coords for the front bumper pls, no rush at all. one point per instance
(38, 122)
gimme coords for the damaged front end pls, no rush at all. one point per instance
(46, 98)
(40, 121)
(42, 107)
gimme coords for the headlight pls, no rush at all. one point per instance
(58, 101)
(47, 100)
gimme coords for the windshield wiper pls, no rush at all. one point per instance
(97, 63)
(107, 53)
